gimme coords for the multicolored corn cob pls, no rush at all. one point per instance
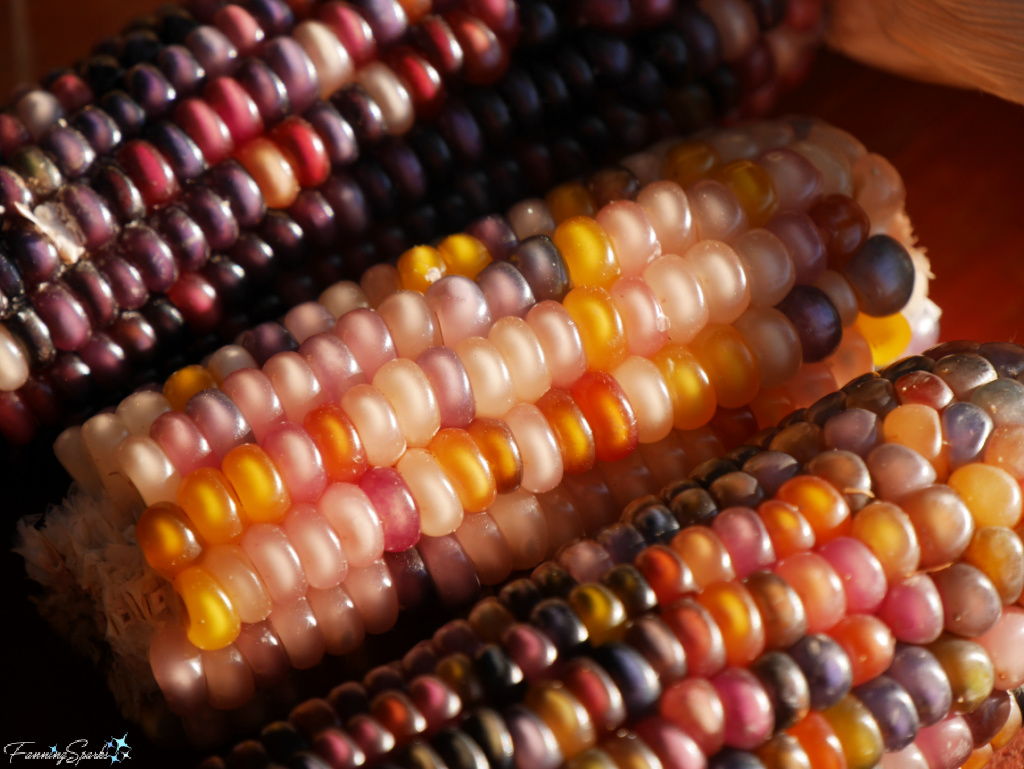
(183, 228)
(656, 297)
(295, 495)
(856, 606)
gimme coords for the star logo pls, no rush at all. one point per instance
(53, 748)
(121, 742)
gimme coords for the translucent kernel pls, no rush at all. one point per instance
(186, 382)
(694, 706)
(498, 446)
(168, 541)
(257, 483)
(693, 398)
(587, 251)
(737, 616)
(690, 162)
(564, 715)
(819, 587)
(979, 758)
(210, 503)
(667, 574)
(212, 621)
(819, 741)
(824, 508)
(753, 187)
(600, 326)
(467, 468)
(869, 644)
(917, 426)
(857, 731)
(730, 366)
(231, 568)
(787, 528)
(785, 621)
(705, 555)
(573, 433)
(968, 668)
(600, 611)
(1005, 450)
(464, 255)
(887, 337)
(570, 199)
(998, 553)
(889, 534)
(991, 494)
(608, 413)
(783, 751)
(421, 267)
(270, 168)
(338, 443)
(1010, 728)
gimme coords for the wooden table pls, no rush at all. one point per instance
(962, 159)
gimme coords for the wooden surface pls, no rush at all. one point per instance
(962, 158)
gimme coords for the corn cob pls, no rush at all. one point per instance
(223, 206)
(369, 478)
(857, 613)
(712, 284)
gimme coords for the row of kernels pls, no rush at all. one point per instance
(350, 526)
(569, 428)
(282, 568)
(671, 304)
(818, 313)
(330, 58)
(349, 723)
(293, 155)
(710, 572)
(189, 382)
(379, 627)
(185, 52)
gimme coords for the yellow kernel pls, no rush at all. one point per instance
(186, 382)
(212, 621)
(257, 483)
(420, 267)
(588, 253)
(464, 255)
(887, 337)
(210, 503)
(168, 541)
(600, 327)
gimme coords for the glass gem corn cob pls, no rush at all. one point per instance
(281, 502)
(633, 248)
(216, 174)
(835, 592)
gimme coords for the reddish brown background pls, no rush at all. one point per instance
(962, 158)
